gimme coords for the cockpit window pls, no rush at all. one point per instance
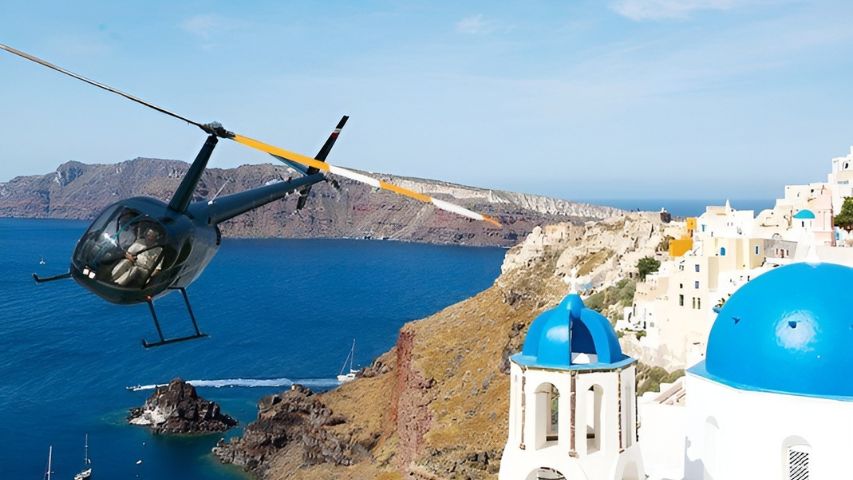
(124, 248)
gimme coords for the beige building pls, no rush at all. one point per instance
(675, 307)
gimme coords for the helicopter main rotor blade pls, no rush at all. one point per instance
(361, 178)
(219, 131)
(97, 84)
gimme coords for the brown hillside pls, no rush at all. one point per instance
(435, 406)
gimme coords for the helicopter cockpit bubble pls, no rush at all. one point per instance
(123, 248)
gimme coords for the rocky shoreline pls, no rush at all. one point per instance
(295, 419)
(176, 409)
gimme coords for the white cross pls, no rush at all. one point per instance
(572, 281)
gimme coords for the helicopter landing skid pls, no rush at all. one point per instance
(166, 341)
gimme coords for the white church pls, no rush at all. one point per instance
(773, 398)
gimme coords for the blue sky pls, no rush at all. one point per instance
(577, 99)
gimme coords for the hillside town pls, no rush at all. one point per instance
(752, 308)
(724, 248)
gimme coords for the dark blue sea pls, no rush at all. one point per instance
(276, 310)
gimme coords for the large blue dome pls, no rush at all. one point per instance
(789, 330)
(548, 341)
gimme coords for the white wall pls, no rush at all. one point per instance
(525, 450)
(752, 428)
(662, 439)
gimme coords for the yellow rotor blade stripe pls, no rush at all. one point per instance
(404, 191)
(492, 221)
(293, 156)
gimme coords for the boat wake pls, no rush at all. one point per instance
(248, 383)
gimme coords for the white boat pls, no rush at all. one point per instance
(48, 472)
(351, 374)
(42, 262)
(86, 473)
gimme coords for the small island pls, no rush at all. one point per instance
(176, 408)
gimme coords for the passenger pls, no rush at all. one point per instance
(140, 260)
(126, 230)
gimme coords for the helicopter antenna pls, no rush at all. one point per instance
(217, 130)
(216, 195)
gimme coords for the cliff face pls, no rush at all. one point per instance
(80, 191)
(436, 405)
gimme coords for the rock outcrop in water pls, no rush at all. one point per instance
(80, 191)
(176, 408)
(435, 406)
(296, 420)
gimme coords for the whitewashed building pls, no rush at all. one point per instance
(572, 412)
(675, 306)
(773, 398)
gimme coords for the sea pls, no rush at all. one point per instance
(682, 207)
(277, 312)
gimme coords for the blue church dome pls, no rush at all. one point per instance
(549, 344)
(804, 215)
(789, 330)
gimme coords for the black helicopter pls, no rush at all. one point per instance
(140, 248)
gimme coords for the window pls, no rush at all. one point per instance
(696, 284)
(797, 462)
(680, 285)
(722, 254)
(756, 250)
(696, 267)
(698, 304)
(681, 300)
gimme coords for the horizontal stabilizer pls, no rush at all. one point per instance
(299, 168)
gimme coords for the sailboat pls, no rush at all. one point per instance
(86, 473)
(48, 472)
(42, 262)
(350, 375)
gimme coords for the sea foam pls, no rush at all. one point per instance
(248, 383)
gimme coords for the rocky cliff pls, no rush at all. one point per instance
(435, 406)
(80, 191)
(176, 408)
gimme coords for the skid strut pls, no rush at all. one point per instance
(164, 340)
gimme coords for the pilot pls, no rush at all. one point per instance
(139, 260)
(125, 229)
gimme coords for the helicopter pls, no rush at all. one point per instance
(141, 248)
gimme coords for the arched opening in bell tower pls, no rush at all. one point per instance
(594, 418)
(547, 415)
